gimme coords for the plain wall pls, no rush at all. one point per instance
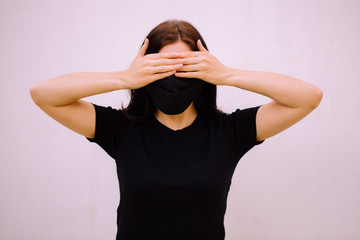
(301, 184)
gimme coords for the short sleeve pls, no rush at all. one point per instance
(108, 124)
(241, 126)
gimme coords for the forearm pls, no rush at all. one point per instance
(68, 88)
(283, 89)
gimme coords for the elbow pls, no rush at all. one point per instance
(315, 97)
(35, 94)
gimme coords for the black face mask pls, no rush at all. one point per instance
(173, 95)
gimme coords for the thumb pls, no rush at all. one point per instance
(200, 46)
(143, 48)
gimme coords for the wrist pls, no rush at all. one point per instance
(119, 76)
(231, 77)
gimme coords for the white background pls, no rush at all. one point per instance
(301, 184)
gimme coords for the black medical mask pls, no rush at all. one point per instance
(173, 95)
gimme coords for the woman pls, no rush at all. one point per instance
(175, 152)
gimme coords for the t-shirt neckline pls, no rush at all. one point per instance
(192, 125)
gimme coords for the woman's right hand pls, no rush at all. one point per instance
(146, 69)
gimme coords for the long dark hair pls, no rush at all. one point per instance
(141, 106)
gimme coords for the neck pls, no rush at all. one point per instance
(178, 121)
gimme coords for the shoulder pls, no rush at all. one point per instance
(108, 111)
(110, 116)
(239, 124)
(105, 108)
(235, 116)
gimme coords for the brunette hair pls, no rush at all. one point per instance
(168, 32)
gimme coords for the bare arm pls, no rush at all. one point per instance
(69, 88)
(60, 97)
(292, 99)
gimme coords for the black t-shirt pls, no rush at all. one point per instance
(174, 184)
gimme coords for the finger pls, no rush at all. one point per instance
(172, 61)
(161, 75)
(162, 69)
(163, 55)
(189, 54)
(188, 74)
(190, 68)
(200, 46)
(193, 60)
(143, 48)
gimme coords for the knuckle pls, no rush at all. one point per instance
(146, 62)
(146, 71)
(151, 62)
(150, 56)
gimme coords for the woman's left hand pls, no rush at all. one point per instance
(203, 65)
